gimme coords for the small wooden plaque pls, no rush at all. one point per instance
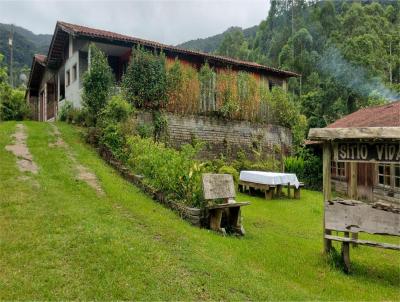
(217, 186)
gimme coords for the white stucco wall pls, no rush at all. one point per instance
(73, 91)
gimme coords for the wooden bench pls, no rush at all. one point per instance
(352, 217)
(270, 191)
(224, 217)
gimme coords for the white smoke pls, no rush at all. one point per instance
(354, 77)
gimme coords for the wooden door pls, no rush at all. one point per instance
(365, 181)
(50, 102)
(41, 106)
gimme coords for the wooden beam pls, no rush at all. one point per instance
(376, 133)
(326, 173)
(365, 242)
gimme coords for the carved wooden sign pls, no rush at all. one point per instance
(383, 152)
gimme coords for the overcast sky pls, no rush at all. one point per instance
(167, 21)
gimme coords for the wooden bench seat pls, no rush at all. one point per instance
(232, 215)
(228, 205)
(226, 216)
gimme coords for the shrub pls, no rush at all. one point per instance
(93, 135)
(13, 105)
(145, 81)
(258, 163)
(312, 175)
(112, 138)
(145, 130)
(283, 110)
(64, 111)
(308, 168)
(70, 114)
(81, 117)
(176, 173)
(232, 171)
(295, 165)
(299, 131)
(97, 84)
(117, 109)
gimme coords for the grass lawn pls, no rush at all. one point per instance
(60, 240)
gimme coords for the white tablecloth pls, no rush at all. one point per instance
(270, 178)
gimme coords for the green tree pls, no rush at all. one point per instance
(13, 105)
(97, 84)
(234, 45)
(145, 81)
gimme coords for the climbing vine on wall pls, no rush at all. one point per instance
(207, 79)
(248, 96)
(183, 88)
(227, 94)
(157, 83)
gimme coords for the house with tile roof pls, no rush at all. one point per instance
(58, 76)
(375, 181)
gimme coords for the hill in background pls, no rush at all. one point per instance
(211, 44)
(26, 44)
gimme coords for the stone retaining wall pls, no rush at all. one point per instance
(223, 136)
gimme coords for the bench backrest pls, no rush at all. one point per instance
(361, 217)
(217, 186)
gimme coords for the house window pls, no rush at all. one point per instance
(338, 169)
(389, 175)
(68, 78)
(74, 73)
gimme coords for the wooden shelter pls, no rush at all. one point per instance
(376, 181)
(378, 145)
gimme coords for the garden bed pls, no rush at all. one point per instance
(195, 216)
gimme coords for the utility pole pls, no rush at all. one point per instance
(10, 44)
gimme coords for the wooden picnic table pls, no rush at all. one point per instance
(271, 183)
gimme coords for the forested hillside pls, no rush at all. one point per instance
(26, 44)
(348, 52)
(211, 44)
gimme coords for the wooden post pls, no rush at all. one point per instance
(215, 220)
(269, 193)
(297, 193)
(288, 190)
(346, 253)
(326, 172)
(279, 190)
(353, 194)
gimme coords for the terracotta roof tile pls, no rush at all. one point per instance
(379, 116)
(40, 58)
(104, 34)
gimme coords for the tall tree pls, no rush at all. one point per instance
(97, 83)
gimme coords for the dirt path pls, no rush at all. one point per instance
(82, 172)
(20, 149)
